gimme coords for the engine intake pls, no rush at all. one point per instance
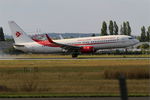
(87, 49)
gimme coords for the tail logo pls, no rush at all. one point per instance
(18, 34)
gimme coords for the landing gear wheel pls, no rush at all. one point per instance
(74, 55)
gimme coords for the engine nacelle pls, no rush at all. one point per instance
(87, 49)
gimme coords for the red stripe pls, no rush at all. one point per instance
(47, 43)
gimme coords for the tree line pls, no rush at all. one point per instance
(145, 34)
(114, 29)
(2, 38)
(125, 29)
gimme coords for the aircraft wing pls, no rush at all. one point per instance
(64, 46)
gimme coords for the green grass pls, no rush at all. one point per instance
(72, 63)
(50, 78)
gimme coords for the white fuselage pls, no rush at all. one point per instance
(99, 42)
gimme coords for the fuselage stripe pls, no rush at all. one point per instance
(47, 43)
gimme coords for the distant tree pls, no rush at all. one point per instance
(111, 27)
(124, 28)
(138, 37)
(121, 30)
(104, 29)
(143, 46)
(2, 38)
(115, 28)
(148, 35)
(128, 29)
(143, 34)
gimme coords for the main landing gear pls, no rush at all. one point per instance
(74, 55)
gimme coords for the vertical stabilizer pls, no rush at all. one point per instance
(18, 34)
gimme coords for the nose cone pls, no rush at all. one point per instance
(136, 41)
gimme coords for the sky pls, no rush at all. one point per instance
(73, 16)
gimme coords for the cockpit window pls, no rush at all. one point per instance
(130, 38)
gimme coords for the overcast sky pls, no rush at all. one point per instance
(83, 16)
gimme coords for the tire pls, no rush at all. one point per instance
(74, 55)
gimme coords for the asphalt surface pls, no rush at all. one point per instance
(92, 58)
(79, 98)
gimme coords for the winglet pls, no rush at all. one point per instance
(49, 39)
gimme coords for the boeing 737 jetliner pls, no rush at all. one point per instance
(73, 46)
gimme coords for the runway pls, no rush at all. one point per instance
(79, 98)
(84, 58)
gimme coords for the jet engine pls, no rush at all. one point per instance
(87, 49)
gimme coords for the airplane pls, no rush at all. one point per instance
(74, 46)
